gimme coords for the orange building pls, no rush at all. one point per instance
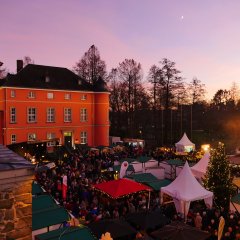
(43, 103)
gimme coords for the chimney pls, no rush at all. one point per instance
(19, 65)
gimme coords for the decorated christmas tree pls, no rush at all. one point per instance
(218, 178)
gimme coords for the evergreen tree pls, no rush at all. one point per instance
(218, 178)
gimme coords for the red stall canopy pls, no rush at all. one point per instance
(121, 187)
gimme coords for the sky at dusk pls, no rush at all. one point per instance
(202, 37)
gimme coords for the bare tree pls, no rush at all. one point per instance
(90, 66)
(234, 92)
(196, 91)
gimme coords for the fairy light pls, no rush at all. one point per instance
(218, 178)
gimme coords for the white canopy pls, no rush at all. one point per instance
(184, 189)
(200, 169)
(184, 145)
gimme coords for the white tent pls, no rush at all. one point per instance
(185, 189)
(200, 168)
(184, 145)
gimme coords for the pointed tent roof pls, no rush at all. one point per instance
(200, 168)
(120, 187)
(186, 187)
(185, 141)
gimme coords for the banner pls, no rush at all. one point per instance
(64, 187)
(123, 169)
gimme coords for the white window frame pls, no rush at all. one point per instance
(31, 115)
(49, 137)
(83, 115)
(13, 115)
(67, 115)
(83, 137)
(13, 138)
(84, 97)
(13, 93)
(31, 94)
(50, 114)
(50, 95)
(32, 136)
(67, 96)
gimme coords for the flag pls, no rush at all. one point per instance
(64, 187)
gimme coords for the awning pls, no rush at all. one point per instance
(143, 177)
(36, 189)
(157, 185)
(45, 212)
(70, 233)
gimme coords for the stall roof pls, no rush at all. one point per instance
(143, 177)
(67, 234)
(42, 202)
(36, 189)
(121, 187)
(144, 159)
(129, 160)
(49, 217)
(45, 212)
(157, 185)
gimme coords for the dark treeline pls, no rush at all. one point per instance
(161, 106)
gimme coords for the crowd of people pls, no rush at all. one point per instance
(86, 168)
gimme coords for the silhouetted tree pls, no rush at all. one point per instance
(196, 91)
(234, 92)
(91, 67)
(169, 82)
(222, 100)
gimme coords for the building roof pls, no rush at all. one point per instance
(100, 85)
(9, 160)
(48, 77)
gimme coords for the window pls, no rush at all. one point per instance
(31, 94)
(67, 114)
(13, 93)
(12, 115)
(83, 137)
(32, 137)
(83, 115)
(67, 96)
(84, 97)
(13, 138)
(32, 115)
(50, 95)
(50, 115)
(51, 136)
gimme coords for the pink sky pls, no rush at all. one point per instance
(205, 43)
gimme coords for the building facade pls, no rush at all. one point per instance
(51, 103)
